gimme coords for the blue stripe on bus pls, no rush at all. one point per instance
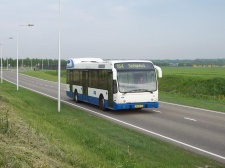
(70, 94)
(132, 105)
(95, 101)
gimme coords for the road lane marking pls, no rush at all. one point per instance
(157, 111)
(131, 125)
(191, 119)
(210, 111)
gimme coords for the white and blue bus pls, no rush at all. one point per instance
(113, 84)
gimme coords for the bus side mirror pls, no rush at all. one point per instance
(159, 71)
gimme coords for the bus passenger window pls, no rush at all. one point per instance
(115, 90)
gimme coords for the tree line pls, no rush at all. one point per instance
(190, 63)
(52, 63)
(31, 62)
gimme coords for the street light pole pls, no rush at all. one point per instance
(31, 64)
(1, 62)
(1, 58)
(59, 61)
(17, 56)
(7, 64)
(17, 49)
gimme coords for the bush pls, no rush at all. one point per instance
(193, 86)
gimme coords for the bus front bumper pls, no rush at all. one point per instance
(135, 105)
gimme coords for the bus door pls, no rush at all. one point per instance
(85, 85)
(110, 89)
(70, 79)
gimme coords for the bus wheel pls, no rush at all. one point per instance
(76, 97)
(102, 103)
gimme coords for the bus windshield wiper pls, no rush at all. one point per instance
(145, 90)
(141, 90)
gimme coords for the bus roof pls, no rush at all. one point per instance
(79, 60)
(96, 63)
(120, 61)
(87, 63)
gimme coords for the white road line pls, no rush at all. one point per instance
(157, 111)
(210, 111)
(133, 126)
(191, 119)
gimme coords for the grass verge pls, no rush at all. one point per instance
(51, 75)
(34, 134)
(210, 104)
(198, 87)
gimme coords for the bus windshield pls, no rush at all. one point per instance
(137, 81)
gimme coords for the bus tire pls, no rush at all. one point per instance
(76, 97)
(102, 103)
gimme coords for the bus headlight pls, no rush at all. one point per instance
(122, 101)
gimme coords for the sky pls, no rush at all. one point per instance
(113, 29)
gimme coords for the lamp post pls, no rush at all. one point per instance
(1, 62)
(31, 64)
(2, 56)
(7, 64)
(17, 56)
(59, 60)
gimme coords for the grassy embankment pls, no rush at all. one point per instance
(51, 75)
(34, 134)
(198, 87)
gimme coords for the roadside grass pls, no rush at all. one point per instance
(34, 134)
(198, 87)
(202, 72)
(51, 75)
(210, 104)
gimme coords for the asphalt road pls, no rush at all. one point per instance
(198, 130)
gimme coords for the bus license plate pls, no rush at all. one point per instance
(138, 106)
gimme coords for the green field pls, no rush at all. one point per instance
(51, 75)
(198, 87)
(34, 134)
(204, 72)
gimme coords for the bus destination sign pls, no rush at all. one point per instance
(133, 65)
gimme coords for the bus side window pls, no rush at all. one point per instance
(115, 90)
